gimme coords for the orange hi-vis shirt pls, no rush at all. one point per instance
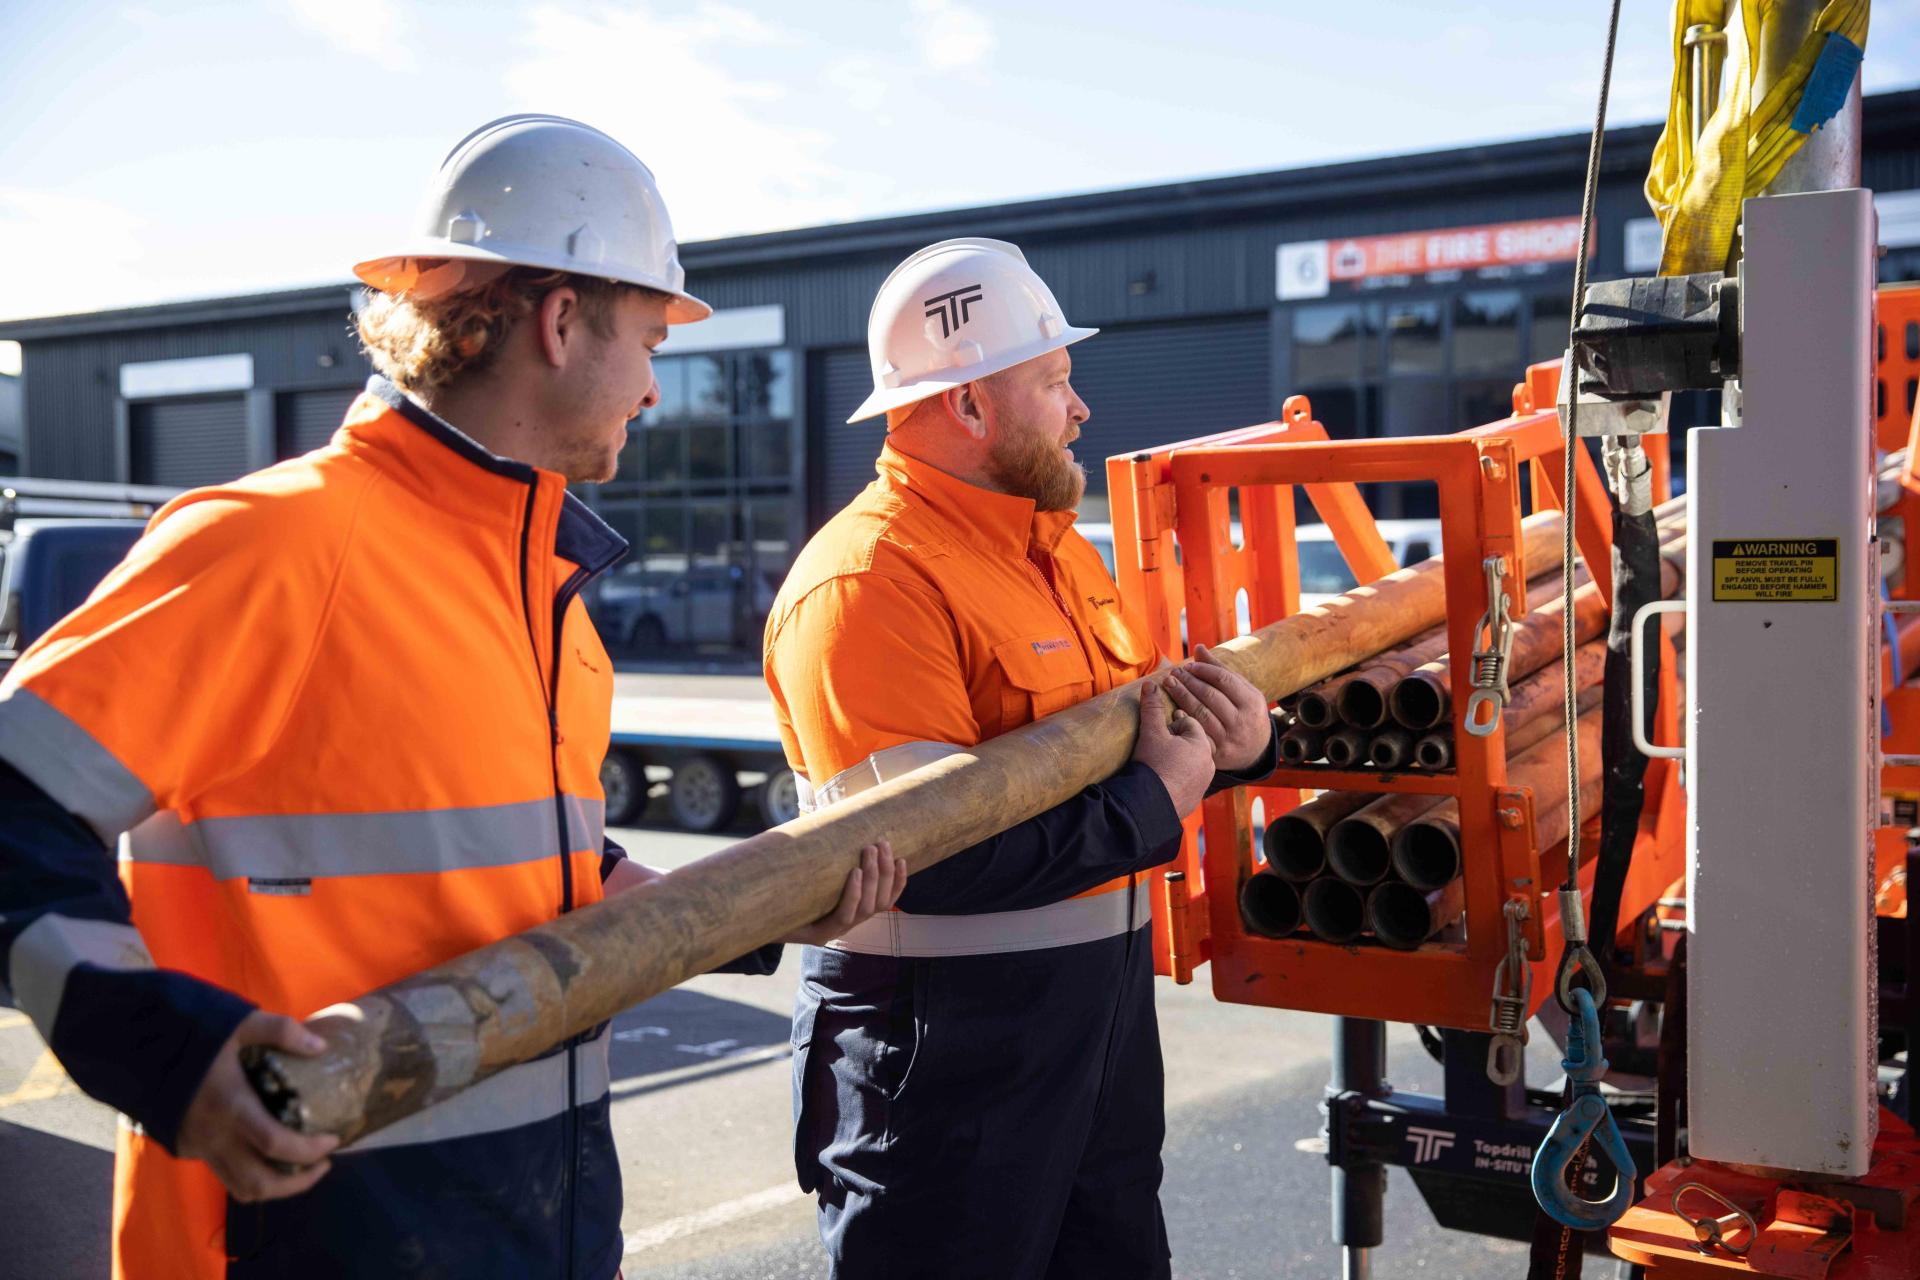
(931, 614)
(349, 713)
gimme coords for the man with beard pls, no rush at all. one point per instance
(977, 1075)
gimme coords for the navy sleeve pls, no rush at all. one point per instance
(756, 964)
(137, 1038)
(1257, 771)
(1113, 828)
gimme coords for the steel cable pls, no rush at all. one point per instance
(1574, 445)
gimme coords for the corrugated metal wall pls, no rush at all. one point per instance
(305, 420)
(1148, 384)
(192, 440)
(844, 452)
(72, 384)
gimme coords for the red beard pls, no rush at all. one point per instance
(1028, 465)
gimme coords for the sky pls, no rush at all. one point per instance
(193, 148)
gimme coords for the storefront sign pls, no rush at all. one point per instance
(1314, 268)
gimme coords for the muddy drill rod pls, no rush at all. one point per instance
(404, 1047)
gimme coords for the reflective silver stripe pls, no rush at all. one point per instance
(530, 1092)
(586, 822)
(899, 933)
(47, 951)
(319, 845)
(69, 764)
(1058, 924)
(881, 766)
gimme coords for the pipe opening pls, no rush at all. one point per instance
(1427, 854)
(1433, 752)
(1314, 711)
(1346, 748)
(1417, 703)
(1295, 850)
(1361, 705)
(1358, 853)
(1399, 915)
(1269, 906)
(1334, 910)
(1298, 745)
(1392, 749)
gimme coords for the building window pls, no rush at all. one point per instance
(1334, 344)
(1413, 338)
(705, 493)
(1550, 311)
(1486, 333)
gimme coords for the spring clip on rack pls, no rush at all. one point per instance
(1490, 663)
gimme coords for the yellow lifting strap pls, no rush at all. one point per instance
(1696, 189)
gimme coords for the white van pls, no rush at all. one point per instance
(1323, 571)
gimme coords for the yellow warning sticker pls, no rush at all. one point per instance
(1776, 569)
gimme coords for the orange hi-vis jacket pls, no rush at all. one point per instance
(928, 616)
(349, 714)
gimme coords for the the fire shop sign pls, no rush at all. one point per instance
(1317, 268)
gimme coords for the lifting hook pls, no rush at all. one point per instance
(1587, 1116)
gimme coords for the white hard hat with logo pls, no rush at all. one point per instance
(953, 312)
(539, 191)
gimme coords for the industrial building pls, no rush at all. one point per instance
(1403, 295)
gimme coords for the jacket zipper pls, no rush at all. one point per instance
(1053, 592)
(570, 1128)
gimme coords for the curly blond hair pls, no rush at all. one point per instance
(426, 344)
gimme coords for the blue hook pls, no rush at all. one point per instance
(1587, 1115)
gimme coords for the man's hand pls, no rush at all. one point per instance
(1180, 754)
(1228, 708)
(872, 887)
(226, 1126)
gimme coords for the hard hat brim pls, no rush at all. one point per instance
(396, 272)
(887, 399)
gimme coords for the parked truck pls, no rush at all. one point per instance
(711, 748)
(58, 538)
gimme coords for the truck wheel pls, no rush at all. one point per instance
(623, 779)
(780, 797)
(704, 795)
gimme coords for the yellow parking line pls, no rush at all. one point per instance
(45, 1080)
(10, 1018)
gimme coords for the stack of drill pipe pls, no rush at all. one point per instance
(1423, 698)
(1366, 828)
(1425, 894)
(404, 1047)
(1359, 697)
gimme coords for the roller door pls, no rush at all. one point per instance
(840, 380)
(308, 419)
(1151, 384)
(194, 440)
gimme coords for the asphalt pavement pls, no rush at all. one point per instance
(702, 1109)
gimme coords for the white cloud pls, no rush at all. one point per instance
(369, 29)
(862, 81)
(951, 36)
(725, 146)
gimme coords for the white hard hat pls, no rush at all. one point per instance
(539, 191)
(953, 312)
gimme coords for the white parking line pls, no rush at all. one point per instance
(11, 1018)
(718, 1215)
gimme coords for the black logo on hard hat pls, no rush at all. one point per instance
(954, 309)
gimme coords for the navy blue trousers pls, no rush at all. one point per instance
(983, 1116)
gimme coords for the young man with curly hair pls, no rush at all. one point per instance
(344, 719)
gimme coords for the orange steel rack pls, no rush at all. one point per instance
(1183, 495)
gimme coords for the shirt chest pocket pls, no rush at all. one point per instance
(1039, 675)
(1128, 653)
